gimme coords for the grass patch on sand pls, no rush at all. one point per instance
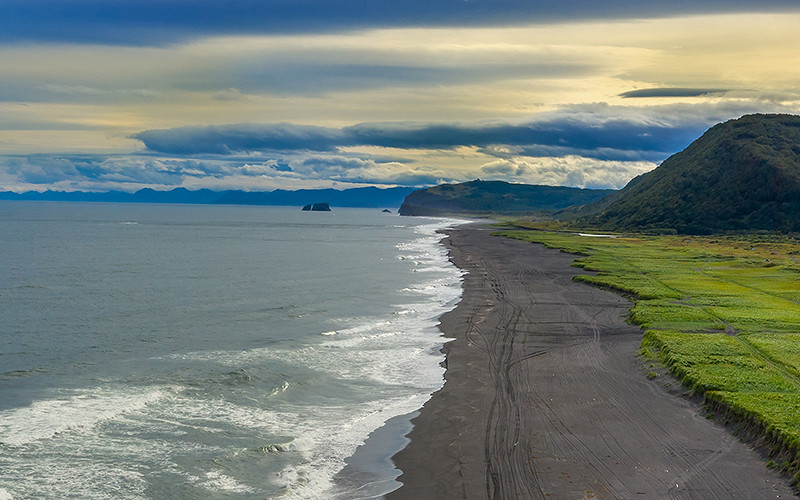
(723, 313)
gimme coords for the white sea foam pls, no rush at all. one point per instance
(280, 389)
(326, 447)
(217, 481)
(101, 461)
(85, 409)
(68, 469)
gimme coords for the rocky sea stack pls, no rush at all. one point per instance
(317, 207)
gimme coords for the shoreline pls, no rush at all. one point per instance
(544, 396)
(370, 472)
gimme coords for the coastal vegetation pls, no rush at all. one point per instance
(721, 313)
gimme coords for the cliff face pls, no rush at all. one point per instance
(740, 175)
(495, 197)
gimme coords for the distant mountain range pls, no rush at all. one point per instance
(495, 197)
(367, 197)
(741, 175)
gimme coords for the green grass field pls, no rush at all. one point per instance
(722, 313)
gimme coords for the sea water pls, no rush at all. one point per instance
(179, 351)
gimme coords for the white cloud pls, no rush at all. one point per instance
(571, 171)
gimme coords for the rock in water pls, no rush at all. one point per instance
(317, 207)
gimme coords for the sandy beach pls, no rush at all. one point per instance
(545, 397)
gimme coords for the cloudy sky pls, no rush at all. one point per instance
(265, 94)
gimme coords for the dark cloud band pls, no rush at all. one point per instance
(158, 22)
(670, 92)
(232, 139)
(618, 138)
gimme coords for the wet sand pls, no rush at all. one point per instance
(545, 398)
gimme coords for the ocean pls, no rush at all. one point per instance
(210, 352)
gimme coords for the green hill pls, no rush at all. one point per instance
(495, 197)
(740, 175)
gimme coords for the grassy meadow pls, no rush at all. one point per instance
(721, 313)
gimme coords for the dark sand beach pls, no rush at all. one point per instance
(545, 398)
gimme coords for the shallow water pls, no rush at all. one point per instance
(177, 351)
